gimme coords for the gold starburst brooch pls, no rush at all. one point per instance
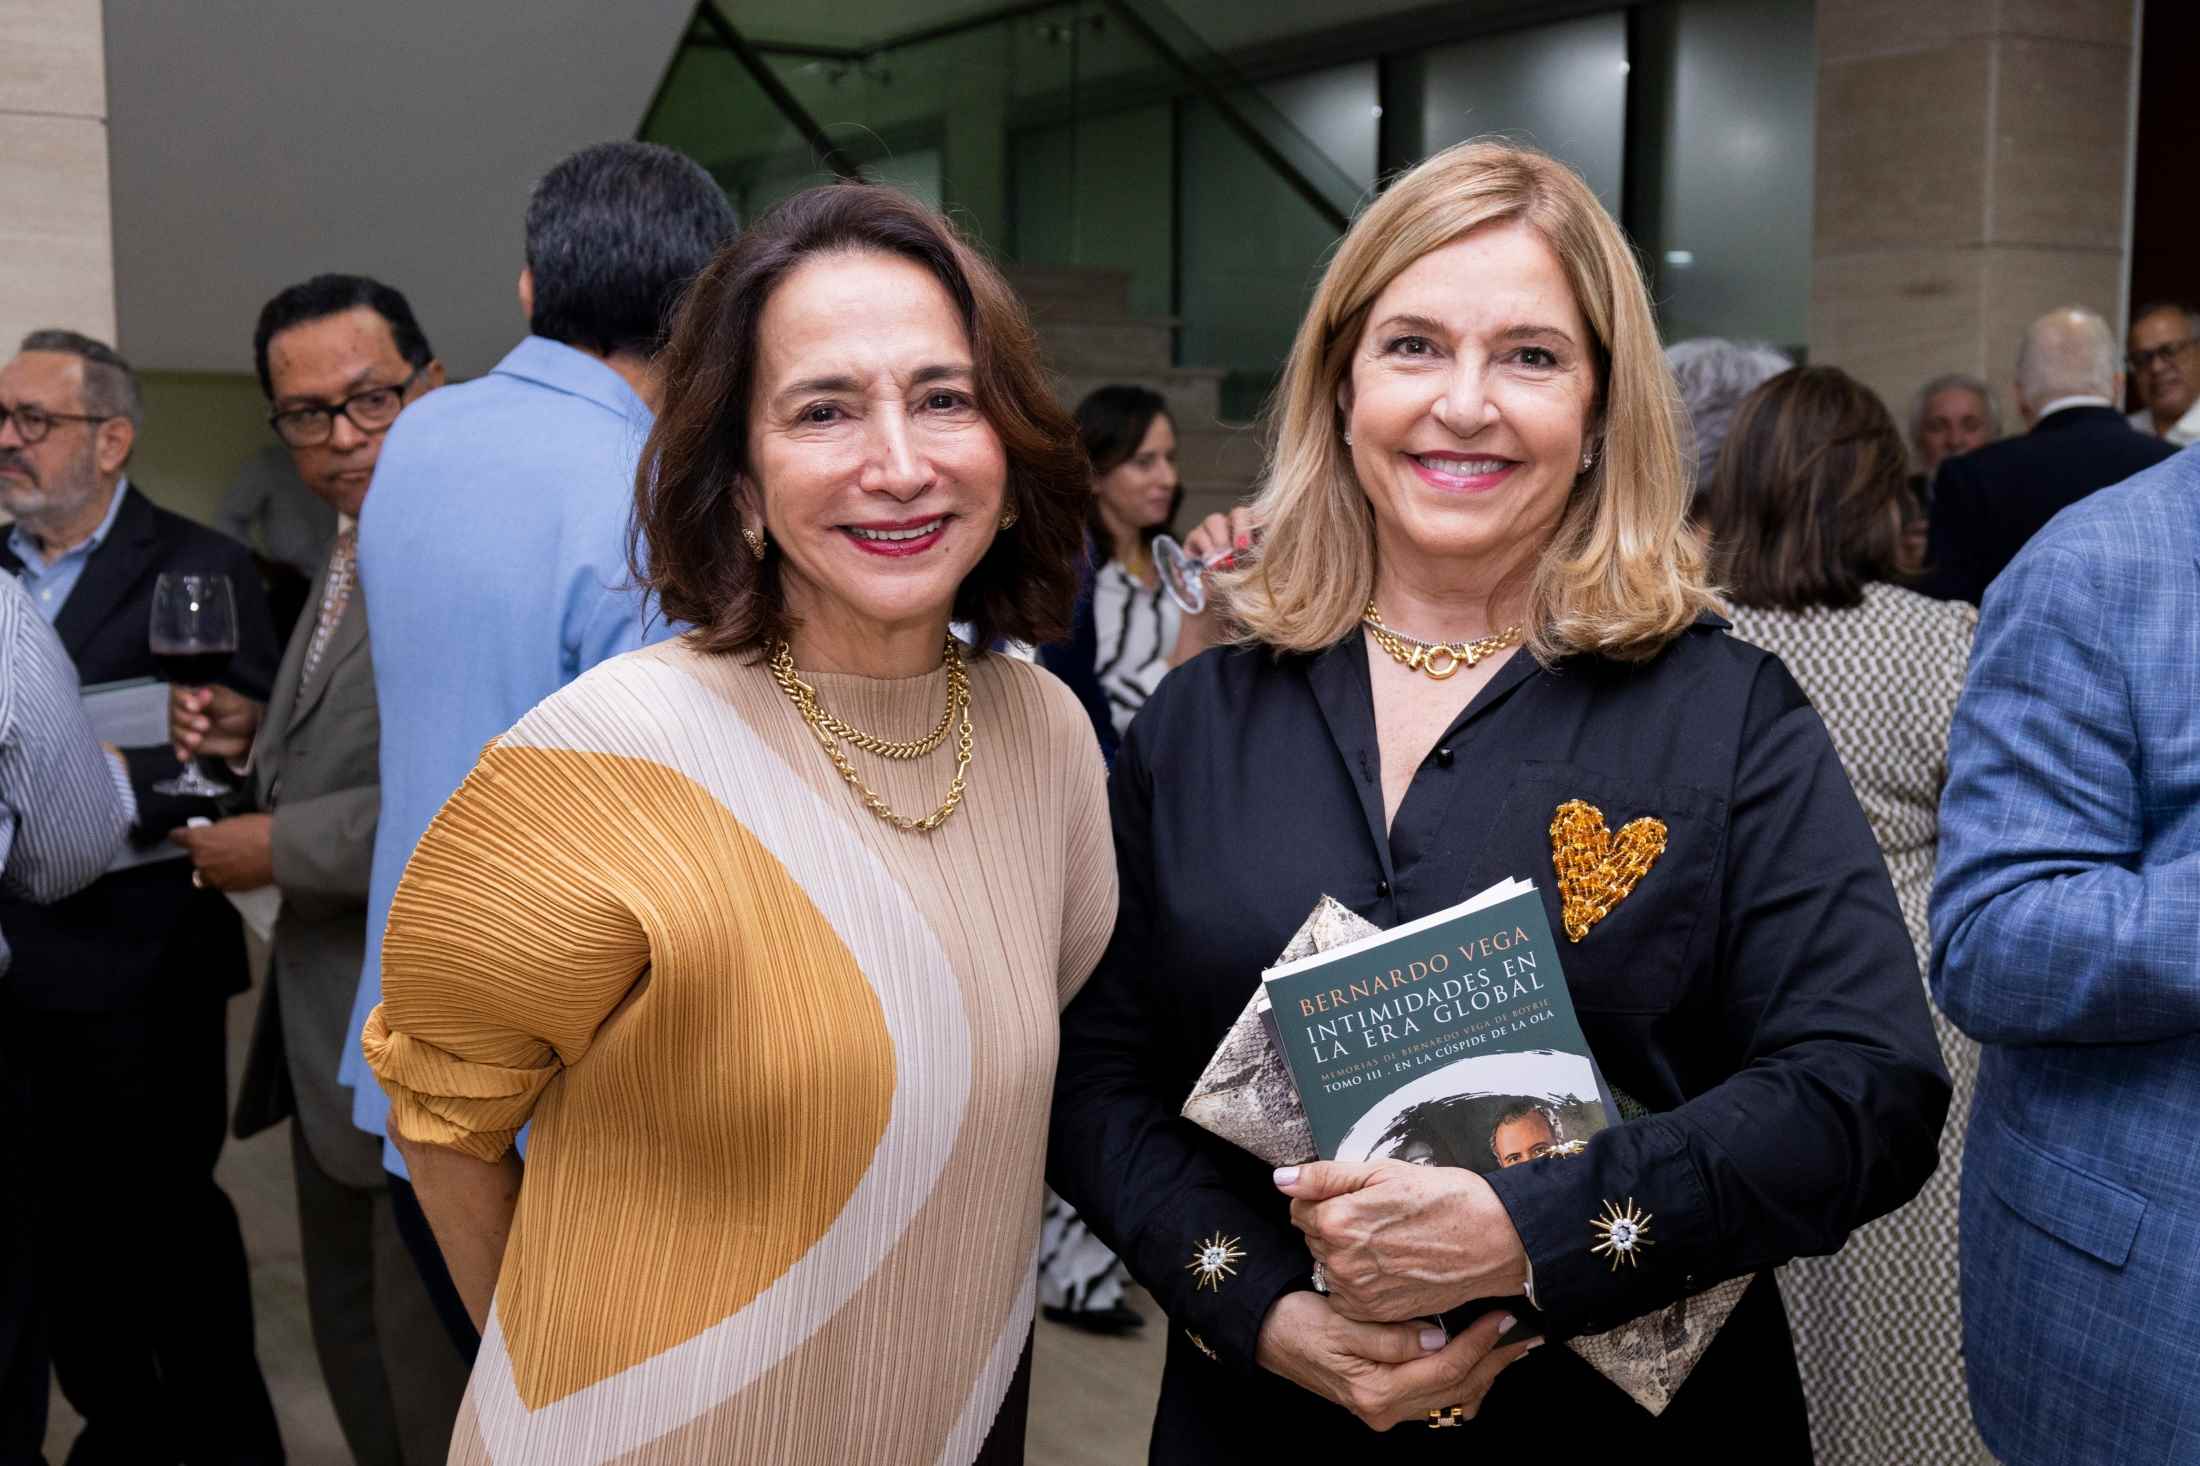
(1568, 1147)
(1215, 1259)
(1623, 1232)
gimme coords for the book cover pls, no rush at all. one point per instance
(1449, 1041)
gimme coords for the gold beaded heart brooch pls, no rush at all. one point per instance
(1596, 869)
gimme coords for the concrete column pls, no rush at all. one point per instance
(56, 228)
(1973, 164)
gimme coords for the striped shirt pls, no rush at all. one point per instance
(64, 804)
(1137, 628)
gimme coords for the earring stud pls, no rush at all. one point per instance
(1008, 519)
(1348, 437)
(755, 537)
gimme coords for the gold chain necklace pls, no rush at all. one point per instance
(1437, 659)
(830, 730)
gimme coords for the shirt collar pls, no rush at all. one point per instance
(26, 549)
(567, 369)
(2081, 399)
(2186, 430)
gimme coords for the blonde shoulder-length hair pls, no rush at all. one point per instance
(1623, 573)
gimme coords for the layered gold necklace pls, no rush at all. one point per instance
(831, 732)
(1437, 659)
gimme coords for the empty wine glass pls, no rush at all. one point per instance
(194, 634)
(1183, 575)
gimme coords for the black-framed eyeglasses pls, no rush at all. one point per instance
(33, 422)
(2142, 358)
(370, 411)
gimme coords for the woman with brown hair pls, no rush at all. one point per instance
(1476, 601)
(766, 930)
(1807, 510)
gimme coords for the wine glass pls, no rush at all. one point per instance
(1184, 576)
(194, 635)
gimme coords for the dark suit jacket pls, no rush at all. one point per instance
(1986, 504)
(1757, 992)
(315, 768)
(143, 932)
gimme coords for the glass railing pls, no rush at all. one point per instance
(1160, 212)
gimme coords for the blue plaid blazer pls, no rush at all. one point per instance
(2066, 939)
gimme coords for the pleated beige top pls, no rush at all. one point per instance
(788, 1067)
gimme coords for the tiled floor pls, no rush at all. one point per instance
(1092, 1398)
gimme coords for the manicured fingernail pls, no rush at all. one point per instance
(1287, 1175)
(1505, 1325)
(1432, 1339)
(1535, 1343)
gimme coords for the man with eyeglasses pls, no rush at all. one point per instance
(113, 1026)
(339, 357)
(2163, 351)
(1987, 503)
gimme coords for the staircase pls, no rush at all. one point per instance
(1091, 339)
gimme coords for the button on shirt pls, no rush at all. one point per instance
(492, 559)
(49, 585)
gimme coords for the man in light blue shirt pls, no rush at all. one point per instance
(492, 547)
(49, 582)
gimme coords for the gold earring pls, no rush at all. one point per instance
(1008, 519)
(755, 537)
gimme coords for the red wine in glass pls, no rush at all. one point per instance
(194, 634)
(191, 668)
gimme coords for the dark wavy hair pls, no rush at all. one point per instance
(1111, 422)
(686, 545)
(1808, 503)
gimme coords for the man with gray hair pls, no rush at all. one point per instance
(1951, 415)
(113, 1011)
(1714, 375)
(1988, 503)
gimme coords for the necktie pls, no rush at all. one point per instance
(335, 596)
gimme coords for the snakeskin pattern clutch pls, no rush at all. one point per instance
(1246, 1096)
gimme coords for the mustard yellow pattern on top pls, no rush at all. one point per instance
(757, 1147)
(788, 1069)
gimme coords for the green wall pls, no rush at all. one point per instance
(200, 427)
(1100, 191)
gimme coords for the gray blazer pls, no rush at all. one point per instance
(316, 770)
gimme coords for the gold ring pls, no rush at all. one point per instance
(1449, 1416)
(198, 878)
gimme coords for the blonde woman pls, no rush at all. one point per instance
(1477, 600)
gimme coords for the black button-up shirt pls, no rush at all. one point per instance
(1757, 991)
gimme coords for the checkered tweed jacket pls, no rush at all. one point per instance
(2066, 939)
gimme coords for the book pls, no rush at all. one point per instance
(1248, 1096)
(1449, 1041)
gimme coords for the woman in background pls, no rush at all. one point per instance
(1807, 511)
(1131, 441)
(1125, 639)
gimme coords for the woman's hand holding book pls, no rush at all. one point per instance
(1399, 1241)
